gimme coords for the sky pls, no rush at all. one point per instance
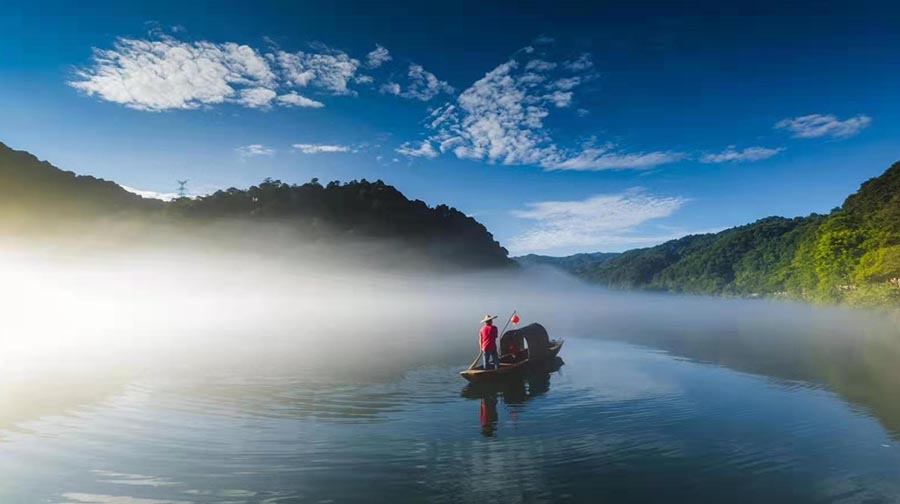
(563, 127)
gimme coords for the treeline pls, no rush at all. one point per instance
(37, 197)
(352, 210)
(32, 190)
(569, 263)
(850, 255)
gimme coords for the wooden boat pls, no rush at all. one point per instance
(540, 349)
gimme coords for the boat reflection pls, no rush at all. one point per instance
(512, 390)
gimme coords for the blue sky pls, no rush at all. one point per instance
(563, 128)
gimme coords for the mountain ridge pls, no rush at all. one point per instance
(38, 197)
(850, 255)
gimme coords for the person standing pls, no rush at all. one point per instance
(488, 337)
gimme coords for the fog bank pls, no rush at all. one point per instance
(97, 315)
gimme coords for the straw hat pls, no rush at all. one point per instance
(488, 317)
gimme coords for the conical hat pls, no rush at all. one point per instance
(488, 317)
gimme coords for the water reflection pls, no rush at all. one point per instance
(514, 390)
(852, 353)
(25, 400)
(488, 415)
(618, 420)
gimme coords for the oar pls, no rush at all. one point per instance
(472, 366)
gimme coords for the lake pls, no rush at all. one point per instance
(675, 411)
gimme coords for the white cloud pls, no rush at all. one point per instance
(292, 99)
(606, 158)
(602, 221)
(329, 70)
(731, 155)
(294, 68)
(425, 149)
(254, 150)
(500, 119)
(391, 88)
(321, 148)
(151, 194)
(423, 85)
(259, 97)
(193, 192)
(567, 83)
(378, 57)
(818, 125)
(583, 62)
(540, 65)
(561, 99)
(164, 74)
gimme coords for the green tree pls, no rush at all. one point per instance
(879, 265)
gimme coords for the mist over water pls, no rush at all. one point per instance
(276, 373)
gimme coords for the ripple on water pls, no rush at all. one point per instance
(614, 419)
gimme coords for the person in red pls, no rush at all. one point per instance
(488, 337)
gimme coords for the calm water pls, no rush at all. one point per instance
(619, 421)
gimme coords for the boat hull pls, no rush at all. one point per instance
(477, 375)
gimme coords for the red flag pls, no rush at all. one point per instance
(515, 319)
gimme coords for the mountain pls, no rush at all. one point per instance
(572, 264)
(33, 190)
(35, 196)
(850, 255)
(357, 210)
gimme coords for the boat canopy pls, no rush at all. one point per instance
(534, 334)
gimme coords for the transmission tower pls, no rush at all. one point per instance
(182, 190)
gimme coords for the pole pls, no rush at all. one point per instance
(472, 366)
(508, 321)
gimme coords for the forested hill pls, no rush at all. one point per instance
(851, 255)
(570, 263)
(354, 210)
(35, 190)
(35, 195)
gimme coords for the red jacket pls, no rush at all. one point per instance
(488, 338)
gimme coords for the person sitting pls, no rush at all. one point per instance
(515, 355)
(488, 336)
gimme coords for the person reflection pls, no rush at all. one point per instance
(488, 414)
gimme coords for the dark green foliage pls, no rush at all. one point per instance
(852, 255)
(640, 267)
(33, 189)
(740, 260)
(572, 264)
(35, 197)
(358, 209)
(768, 267)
